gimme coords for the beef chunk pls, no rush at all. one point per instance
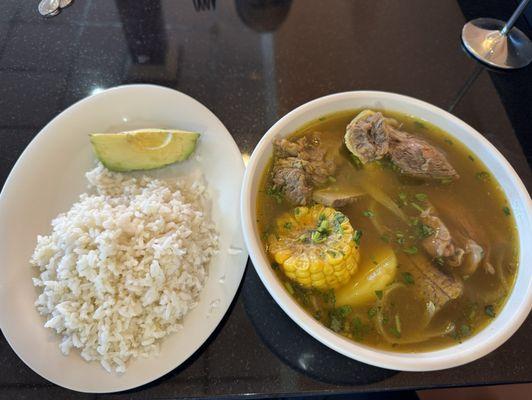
(417, 158)
(440, 243)
(288, 175)
(300, 165)
(367, 137)
(467, 236)
(436, 286)
(458, 249)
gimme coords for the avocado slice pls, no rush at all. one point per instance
(143, 149)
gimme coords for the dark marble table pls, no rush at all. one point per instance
(251, 62)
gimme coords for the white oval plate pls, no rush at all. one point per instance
(48, 178)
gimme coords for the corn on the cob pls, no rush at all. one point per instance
(315, 247)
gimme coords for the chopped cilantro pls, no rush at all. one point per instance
(318, 237)
(356, 162)
(489, 311)
(385, 238)
(303, 238)
(425, 230)
(338, 316)
(419, 125)
(465, 330)
(288, 225)
(417, 207)
(420, 196)
(400, 238)
(323, 226)
(410, 250)
(358, 329)
(402, 198)
(329, 297)
(344, 311)
(378, 293)
(339, 217)
(372, 312)
(289, 287)
(448, 141)
(357, 235)
(301, 294)
(471, 157)
(336, 323)
(472, 311)
(275, 193)
(408, 278)
(368, 213)
(506, 211)
(386, 163)
(332, 253)
(482, 176)
(395, 332)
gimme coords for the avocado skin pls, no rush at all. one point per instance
(116, 152)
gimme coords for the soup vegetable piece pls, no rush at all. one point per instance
(387, 230)
(315, 247)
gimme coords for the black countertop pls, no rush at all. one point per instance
(251, 62)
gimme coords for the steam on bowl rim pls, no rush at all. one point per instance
(519, 302)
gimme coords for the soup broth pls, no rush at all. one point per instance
(402, 314)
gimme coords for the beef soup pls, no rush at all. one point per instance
(387, 230)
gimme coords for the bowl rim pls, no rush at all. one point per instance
(421, 361)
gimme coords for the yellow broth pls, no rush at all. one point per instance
(476, 192)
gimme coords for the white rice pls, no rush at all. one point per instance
(123, 267)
